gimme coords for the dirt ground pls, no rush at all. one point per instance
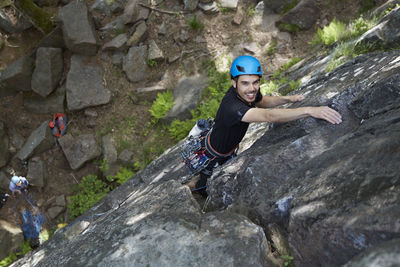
(219, 37)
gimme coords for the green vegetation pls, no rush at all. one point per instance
(251, 10)
(271, 48)
(151, 63)
(289, 6)
(287, 27)
(209, 103)
(287, 260)
(23, 249)
(268, 88)
(40, 18)
(161, 105)
(87, 193)
(194, 24)
(338, 31)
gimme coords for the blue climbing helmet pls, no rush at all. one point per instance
(15, 179)
(246, 65)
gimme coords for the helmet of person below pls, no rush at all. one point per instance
(246, 65)
(15, 179)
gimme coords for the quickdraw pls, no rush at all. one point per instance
(194, 154)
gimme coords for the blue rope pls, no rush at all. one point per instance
(200, 188)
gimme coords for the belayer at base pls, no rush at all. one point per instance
(242, 104)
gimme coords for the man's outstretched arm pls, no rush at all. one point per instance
(285, 115)
(274, 101)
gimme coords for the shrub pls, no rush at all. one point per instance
(271, 48)
(161, 105)
(123, 175)
(268, 88)
(88, 192)
(335, 31)
(151, 63)
(194, 24)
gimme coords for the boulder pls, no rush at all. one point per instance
(109, 151)
(79, 150)
(84, 85)
(78, 28)
(11, 237)
(135, 63)
(4, 141)
(186, 95)
(117, 44)
(232, 4)
(39, 141)
(107, 7)
(385, 34)
(16, 140)
(48, 70)
(37, 172)
(125, 156)
(54, 39)
(17, 76)
(50, 105)
(4, 182)
(190, 5)
(133, 12)
(155, 53)
(303, 16)
(277, 5)
(139, 34)
(15, 25)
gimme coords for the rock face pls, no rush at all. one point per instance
(84, 85)
(78, 29)
(143, 231)
(336, 176)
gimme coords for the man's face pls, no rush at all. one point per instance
(247, 87)
(19, 183)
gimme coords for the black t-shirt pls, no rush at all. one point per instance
(229, 129)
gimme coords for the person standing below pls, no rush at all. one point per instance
(242, 104)
(18, 185)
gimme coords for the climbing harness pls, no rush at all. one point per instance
(194, 149)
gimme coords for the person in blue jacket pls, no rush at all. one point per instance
(18, 185)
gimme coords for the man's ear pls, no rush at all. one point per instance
(234, 83)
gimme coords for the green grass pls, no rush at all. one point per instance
(338, 31)
(286, 8)
(195, 24)
(87, 193)
(271, 48)
(287, 27)
(161, 105)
